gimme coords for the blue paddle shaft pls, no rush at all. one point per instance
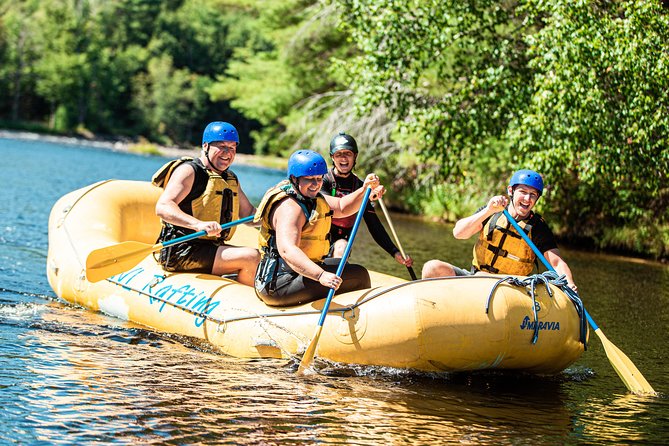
(199, 234)
(347, 252)
(541, 257)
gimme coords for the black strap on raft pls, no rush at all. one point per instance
(545, 278)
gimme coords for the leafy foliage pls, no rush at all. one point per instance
(445, 98)
(287, 63)
(577, 90)
(148, 78)
(595, 120)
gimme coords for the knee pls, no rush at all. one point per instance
(436, 268)
(339, 247)
(356, 277)
(248, 257)
(428, 269)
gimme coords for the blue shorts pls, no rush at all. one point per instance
(461, 272)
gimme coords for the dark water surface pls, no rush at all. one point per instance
(69, 376)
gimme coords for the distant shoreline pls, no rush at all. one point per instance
(126, 146)
(275, 163)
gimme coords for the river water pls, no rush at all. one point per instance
(70, 376)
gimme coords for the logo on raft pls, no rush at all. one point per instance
(185, 297)
(532, 325)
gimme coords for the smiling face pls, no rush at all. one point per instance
(310, 186)
(344, 160)
(221, 154)
(523, 199)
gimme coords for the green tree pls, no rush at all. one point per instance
(17, 53)
(167, 100)
(597, 118)
(272, 78)
(64, 69)
(576, 90)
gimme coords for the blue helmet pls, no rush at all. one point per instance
(305, 163)
(528, 178)
(220, 131)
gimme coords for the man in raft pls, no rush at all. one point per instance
(499, 248)
(295, 220)
(202, 194)
(341, 181)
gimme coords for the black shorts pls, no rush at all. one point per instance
(195, 256)
(295, 289)
(338, 233)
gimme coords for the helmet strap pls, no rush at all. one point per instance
(295, 182)
(211, 165)
(515, 211)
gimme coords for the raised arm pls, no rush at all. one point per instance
(469, 226)
(350, 204)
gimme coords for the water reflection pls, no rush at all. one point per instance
(91, 378)
(624, 419)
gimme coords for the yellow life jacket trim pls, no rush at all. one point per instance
(163, 175)
(501, 250)
(209, 205)
(315, 240)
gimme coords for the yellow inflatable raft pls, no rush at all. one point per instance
(449, 324)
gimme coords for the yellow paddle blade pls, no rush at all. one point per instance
(625, 368)
(106, 262)
(308, 356)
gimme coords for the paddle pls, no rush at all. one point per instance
(397, 240)
(106, 262)
(624, 367)
(308, 356)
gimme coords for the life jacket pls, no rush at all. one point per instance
(500, 249)
(330, 182)
(315, 241)
(218, 201)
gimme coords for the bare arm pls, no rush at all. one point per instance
(468, 226)
(350, 204)
(555, 259)
(167, 207)
(287, 220)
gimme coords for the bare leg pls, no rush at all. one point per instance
(339, 248)
(437, 268)
(240, 260)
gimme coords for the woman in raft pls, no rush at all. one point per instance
(295, 222)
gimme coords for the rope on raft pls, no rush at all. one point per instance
(545, 278)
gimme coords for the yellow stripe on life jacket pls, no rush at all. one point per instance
(501, 250)
(315, 240)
